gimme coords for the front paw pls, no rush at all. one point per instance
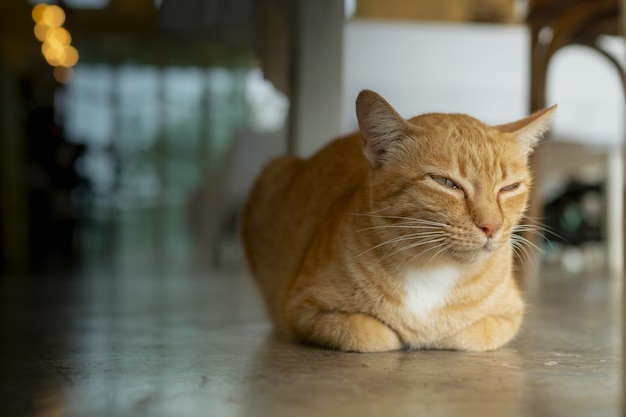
(488, 333)
(370, 335)
(348, 332)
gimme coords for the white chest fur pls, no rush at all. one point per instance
(427, 289)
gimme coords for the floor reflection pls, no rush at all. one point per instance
(156, 338)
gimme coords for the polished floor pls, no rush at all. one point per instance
(150, 338)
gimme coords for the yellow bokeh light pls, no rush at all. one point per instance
(54, 53)
(71, 57)
(37, 12)
(56, 40)
(41, 31)
(53, 16)
(48, 48)
(52, 60)
(60, 35)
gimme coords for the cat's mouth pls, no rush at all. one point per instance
(468, 256)
(491, 245)
(475, 254)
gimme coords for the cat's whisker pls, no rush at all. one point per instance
(405, 237)
(419, 234)
(380, 209)
(533, 231)
(411, 219)
(518, 253)
(538, 230)
(413, 246)
(534, 220)
(442, 247)
(409, 261)
(397, 251)
(401, 226)
(536, 226)
(408, 234)
(412, 237)
(522, 252)
(523, 241)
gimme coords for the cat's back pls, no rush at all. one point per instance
(288, 204)
(262, 229)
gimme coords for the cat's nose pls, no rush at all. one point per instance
(490, 229)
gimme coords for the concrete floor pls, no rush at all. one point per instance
(150, 339)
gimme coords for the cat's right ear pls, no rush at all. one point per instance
(380, 125)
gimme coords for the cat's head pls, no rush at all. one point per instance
(446, 185)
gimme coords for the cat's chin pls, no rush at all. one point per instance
(471, 256)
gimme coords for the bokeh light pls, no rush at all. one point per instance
(38, 12)
(55, 40)
(53, 16)
(71, 57)
(41, 31)
(60, 35)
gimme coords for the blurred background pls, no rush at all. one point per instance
(132, 129)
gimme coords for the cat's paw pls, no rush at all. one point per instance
(489, 333)
(348, 332)
(370, 335)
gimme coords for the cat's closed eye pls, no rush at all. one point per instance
(511, 187)
(446, 182)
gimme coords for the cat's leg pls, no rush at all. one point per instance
(488, 333)
(345, 331)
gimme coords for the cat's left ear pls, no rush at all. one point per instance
(531, 129)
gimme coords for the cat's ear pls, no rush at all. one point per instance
(381, 126)
(531, 129)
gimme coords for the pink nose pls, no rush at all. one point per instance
(490, 229)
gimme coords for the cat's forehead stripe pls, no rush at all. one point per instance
(480, 153)
(504, 170)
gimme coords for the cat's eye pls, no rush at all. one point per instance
(446, 182)
(511, 187)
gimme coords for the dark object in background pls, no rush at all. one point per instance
(576, 216)
(51, 178)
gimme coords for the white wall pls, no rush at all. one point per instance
(482, 70)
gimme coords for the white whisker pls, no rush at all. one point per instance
(417, 232)
(413, 246)
(412, 236)
(522, 252)
(445, 246)
(372, 212)
(523, 241)
(401, 226)
(538, 230)
(411, 219)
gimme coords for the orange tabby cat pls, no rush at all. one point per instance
(398, 237)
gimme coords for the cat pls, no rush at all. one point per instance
(396, 237)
